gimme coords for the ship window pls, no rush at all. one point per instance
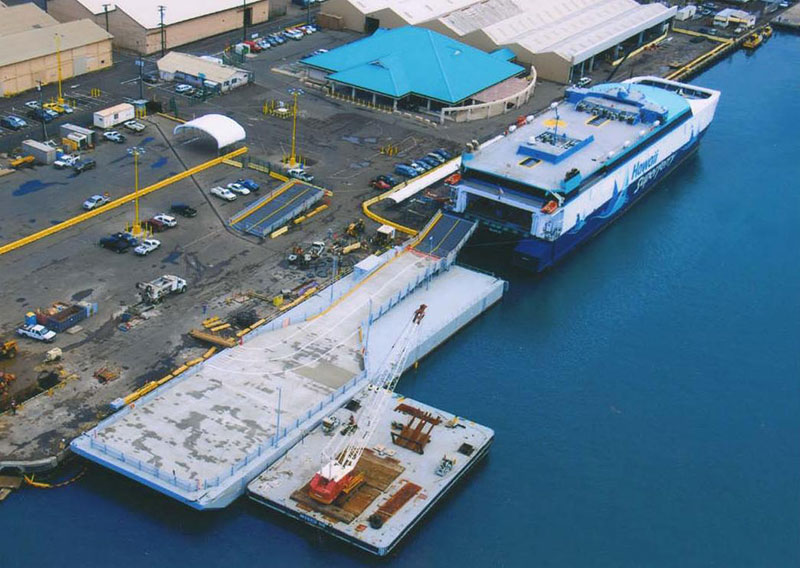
(530, 161)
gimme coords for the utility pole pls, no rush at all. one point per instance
(41, 111)
(140, 63)
(161, 10)
(105, 11)
(244, 20)
(57, 38)
(308, 12)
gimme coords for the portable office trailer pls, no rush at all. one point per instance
(112, 116)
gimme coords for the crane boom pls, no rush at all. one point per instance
(341, 455)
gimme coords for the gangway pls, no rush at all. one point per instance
(444, 234)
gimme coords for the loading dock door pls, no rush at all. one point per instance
(371, 24)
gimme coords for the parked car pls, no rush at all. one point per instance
(114, 136)
(114, 243)
(435, 157)
(95, 201)
(183, 210)
(254, 47)
(388, 179)
(65, 161)
(293, 33)
(301, 174)
(263, 43)
(380, 184)
(167, 220)
(151, 78)
(147, 246)
(274, 41)
(83, 165)
(419, 167)
(584, 81)
(238, 188)
(223, 193)
(443, 153)
(405, 170)
(33, 105)
(134, 126)
(37, 332)
(184, 89)
(41, 115)
(308, 29)
(155, 225)
(59, 108)
(278, 38)
(428, 162)
(248, 183)
(12, 122)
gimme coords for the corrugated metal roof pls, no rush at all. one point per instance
(14, 19)
(145, 12)
(408, 60)
(39, 42)
(193, 65)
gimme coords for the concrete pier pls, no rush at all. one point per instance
(202, 437)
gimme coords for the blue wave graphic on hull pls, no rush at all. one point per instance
(615, 204)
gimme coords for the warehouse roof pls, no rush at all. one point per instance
(194, 65)
(14, 19)
(33, 43)
(145, 12)
(409, 60)
(223, 129)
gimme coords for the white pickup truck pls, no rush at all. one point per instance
(37, 332)
(158, 289)
(66, 161)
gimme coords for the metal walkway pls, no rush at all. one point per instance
(276, 209)
(444, 234)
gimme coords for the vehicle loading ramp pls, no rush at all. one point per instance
(276, 209)
(444, 234)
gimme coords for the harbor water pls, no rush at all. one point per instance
(645, 393)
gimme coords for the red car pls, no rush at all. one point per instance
(156, 226)
(380, 184)
(254, 47)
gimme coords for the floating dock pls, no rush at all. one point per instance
(203, 436)
(401, 484)
(276, 209)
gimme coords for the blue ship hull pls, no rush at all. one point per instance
(537, 255)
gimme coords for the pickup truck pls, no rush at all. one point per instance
(37, 332)
(134, 126)
(66, 161)
(156, 290)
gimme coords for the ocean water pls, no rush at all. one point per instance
(645, 393)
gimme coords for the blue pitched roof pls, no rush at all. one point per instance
(407, 60)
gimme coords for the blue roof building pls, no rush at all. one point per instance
(412, 67)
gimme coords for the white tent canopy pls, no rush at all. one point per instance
(223, 129)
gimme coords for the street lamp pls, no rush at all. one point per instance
(136, 151)
(293, 157)
(58, 63)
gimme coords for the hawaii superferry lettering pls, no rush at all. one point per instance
(654, 173)
(640, 167)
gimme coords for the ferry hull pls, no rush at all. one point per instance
(537, 255)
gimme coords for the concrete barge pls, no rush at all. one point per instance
(403, 480)
(202, 437)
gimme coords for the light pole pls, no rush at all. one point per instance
(161, 10)
(105, 11)
(293, 157)
(136, 151)
(41, 111)
(58, 63)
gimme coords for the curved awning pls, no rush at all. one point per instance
(223, 129)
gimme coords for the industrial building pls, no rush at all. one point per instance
(200, 72)
(31, 42)
(137, 24)
(562, 40)
(412, 68)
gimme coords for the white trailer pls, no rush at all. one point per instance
(112, 116)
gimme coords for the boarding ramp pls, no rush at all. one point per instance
(415, 185)
(276, 209)
(444, 234)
